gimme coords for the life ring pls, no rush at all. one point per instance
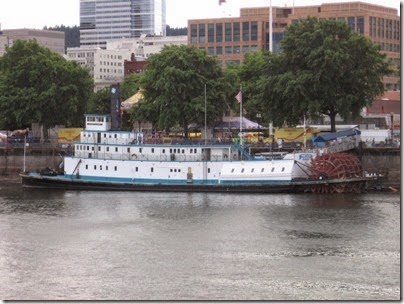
(134, 155)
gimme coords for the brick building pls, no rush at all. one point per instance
(230, 38)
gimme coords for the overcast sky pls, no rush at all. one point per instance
(36, 14)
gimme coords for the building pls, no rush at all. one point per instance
(102, 20)
(121, 57)
(106, 66)
(230, 38)
(53, 40)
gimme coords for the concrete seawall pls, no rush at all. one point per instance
(384, 161)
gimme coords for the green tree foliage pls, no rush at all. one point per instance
(130, 85)
(324, 69)
(38, 85)
(178, 31)
(100, 102)
(174, 84)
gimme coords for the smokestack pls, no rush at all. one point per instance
(116, 120)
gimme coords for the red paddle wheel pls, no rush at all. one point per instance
(336, 166)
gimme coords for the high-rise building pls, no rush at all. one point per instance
(104, 20)
(230, 38)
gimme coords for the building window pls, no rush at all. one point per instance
(202, 34)
(211, 32)
(246, 49)
(236, 31)
(194, 33)
(254, 31)
(211, 50)
(219, 32)
(219, 50)
(351, 22)
(360, 23)
(228, 32)
(227, 50)
(236, 49)
(246, 31)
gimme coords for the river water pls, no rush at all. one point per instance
(84, 245)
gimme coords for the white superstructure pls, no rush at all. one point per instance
(122, 157)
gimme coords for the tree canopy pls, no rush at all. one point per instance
(38, 85)
(323, 69)
(173, 86)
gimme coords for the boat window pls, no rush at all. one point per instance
(232, 170)
(99, 148)
(252, 170)
(262, 170)
(116, 149)
(179, 170)
(208, 170)
(116, 168)
(95, 167)
(283, 169)
(107, 149)
(273, 169)
(128, 150)
(171, 170)
(105, 135)
(86, 167)
(190, 151)
(92, 148)
(183, 151)
(194, 150)
(242, 170)
(100, 167)
(140, 150)
(164, 151)
(137, 169)
(152, 150)
(151, 169)
(115, 135)
(171, 150)
(106, 168)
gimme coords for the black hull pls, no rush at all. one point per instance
(319, 186)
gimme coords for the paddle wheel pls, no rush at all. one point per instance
(336, 166)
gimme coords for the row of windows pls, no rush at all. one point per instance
(100, 167)
(384, 28)
(262, 170)
(140, 150)
(236, 49)
(245, 31)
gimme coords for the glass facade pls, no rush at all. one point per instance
(102, 20)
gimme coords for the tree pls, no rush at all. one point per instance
(100, 102)
(173, 86)
(130, 85)
(38, 85)
(324, 69)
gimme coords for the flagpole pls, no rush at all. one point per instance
(205, 114)
(241, 117)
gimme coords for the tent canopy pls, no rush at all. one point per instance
(336, 135)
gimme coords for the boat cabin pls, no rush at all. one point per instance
(97, 122)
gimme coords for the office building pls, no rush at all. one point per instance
(103, 20)
(230, 38)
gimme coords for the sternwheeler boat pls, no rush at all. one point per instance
(106, 159)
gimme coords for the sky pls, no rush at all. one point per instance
(35, 14)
